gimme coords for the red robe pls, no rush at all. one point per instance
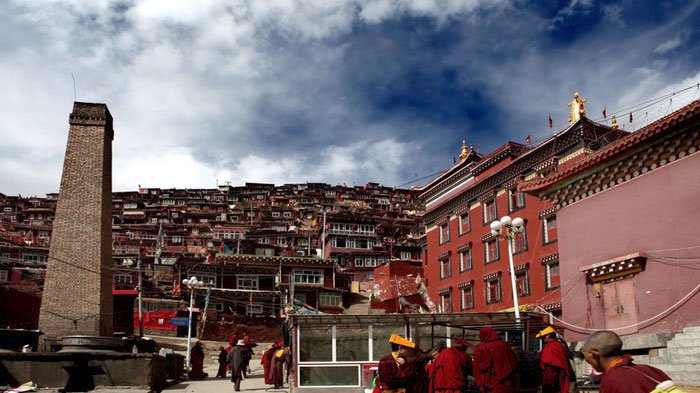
(266, 362)
(627, 377)
(390, 374)
(556, 370)
(450, 371)
(494, 363)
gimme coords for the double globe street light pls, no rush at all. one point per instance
(508, 228)
(192, 283)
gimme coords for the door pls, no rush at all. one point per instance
(620, 304)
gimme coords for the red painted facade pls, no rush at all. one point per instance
(467, 269)
(395, 288)
(626, 217)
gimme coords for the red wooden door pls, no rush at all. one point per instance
(620, 304)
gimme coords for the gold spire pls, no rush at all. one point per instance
(464, 153)
(614, 123)
(577, 110)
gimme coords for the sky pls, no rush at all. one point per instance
(281, 91)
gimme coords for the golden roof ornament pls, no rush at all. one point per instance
(614, 123)
(465, 152)
(577, 110)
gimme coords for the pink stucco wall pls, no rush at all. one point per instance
(656, 211)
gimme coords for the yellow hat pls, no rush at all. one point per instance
(396, 339)
(545, 331)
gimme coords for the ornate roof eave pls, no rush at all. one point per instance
(621, 147)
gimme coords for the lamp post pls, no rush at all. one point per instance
(508, 228)
(192, 283)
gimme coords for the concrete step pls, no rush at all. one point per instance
(694, 329)
(684, 378)
(673, 368)
(680, 341)
(682, 351)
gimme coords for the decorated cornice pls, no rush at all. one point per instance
(488, 236)
(615, 269)
(552, 306)
(462, 209)
(465, 284)
(522, 267)
(550, 258)
(444, 291)
(464, 247)
(548, 212)
(444, 220)
(444, 255)
(511, 149)
(493, 275)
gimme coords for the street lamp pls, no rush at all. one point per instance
(192, 283)
(508, 228)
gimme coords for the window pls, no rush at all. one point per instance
(490, 212)
(445, 268)
(330, 299)
(34, 258)
(207, 278)
(492, 250)
(465, 260)
(370, 261)
(254, 308)
(281, 241)
(552, 276)
(123, 278)
(493, 290)
(550, 229)
(3, 275)
(275, 214)
(465, 224)
(287, 214)
(406, 255)
(264, 240)
(522, 283)
(247, 281)
(339, 242)
(520, 242)
(359, 262)
(370, 276)
(362, 244)
(445, 233)
(446, 302)
(516, 200)
(308, 277)
(467, 297)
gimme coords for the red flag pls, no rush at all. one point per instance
(550, 121)
(605, 112)
(251, 298)
(528, 140)
(631, 117)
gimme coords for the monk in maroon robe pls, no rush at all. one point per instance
(603, 351)
(391, 375)
(266, 362)
(554, 363)
(451, 369)
(494, 363)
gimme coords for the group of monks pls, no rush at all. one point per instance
(501, 367)
(275, 360)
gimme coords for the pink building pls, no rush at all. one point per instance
(628, 240)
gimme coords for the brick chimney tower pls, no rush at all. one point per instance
(77, 297)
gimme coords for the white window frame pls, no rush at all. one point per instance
(243, 279)
(462, 292)
(470, 260)
(306, 274)
(328, 295)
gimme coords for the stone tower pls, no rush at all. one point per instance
(77, 297)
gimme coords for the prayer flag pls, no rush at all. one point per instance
(605, 112)
(631, 119)
(550, 121)
(528, 140)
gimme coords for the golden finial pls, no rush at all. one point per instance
(577, 110)
(614, 123)
(464, 153)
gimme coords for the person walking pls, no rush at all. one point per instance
(266, 362)
(494, 363)
(391, 374)
(451, 369)
(235, 360)
(222, 362)
(557, 372)
(603, 351)
(281, 360)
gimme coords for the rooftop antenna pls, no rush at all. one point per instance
(75, 92)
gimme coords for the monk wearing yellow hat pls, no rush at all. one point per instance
(557, 372)
(391, 375)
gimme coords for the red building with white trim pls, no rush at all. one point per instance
(466, 267)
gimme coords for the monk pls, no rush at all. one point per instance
(603, 351)
(266, 361)
(452, 368)
(495, 364)
(415, 371)
(197, 361)
(235, 359)
(557, 372)
(391, 373)
(281, 359)
(221, 373)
